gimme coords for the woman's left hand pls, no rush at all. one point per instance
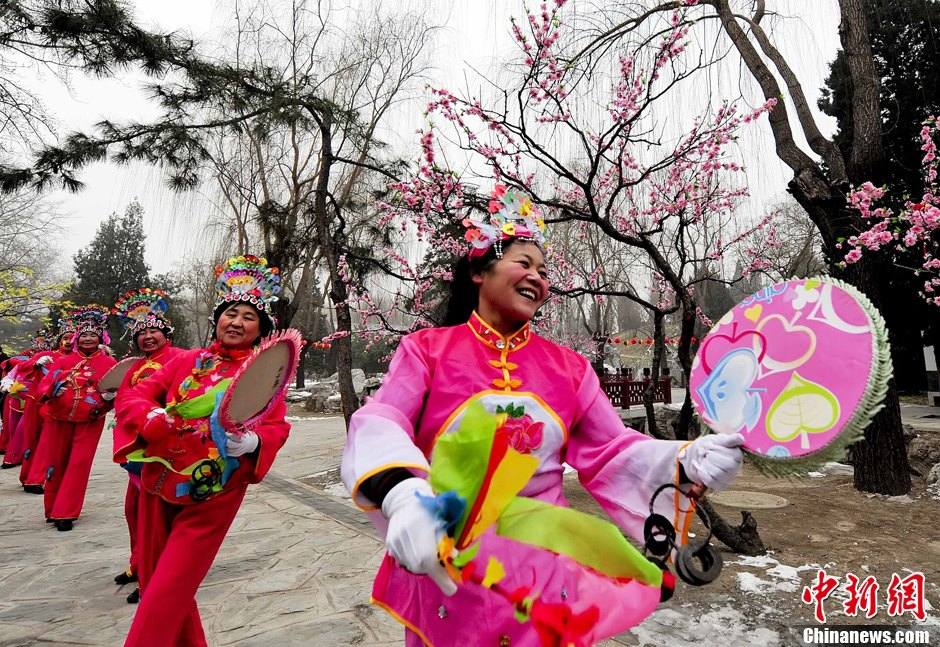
(239, 445)
(714, 460)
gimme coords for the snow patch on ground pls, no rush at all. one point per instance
(750, 583)
(783, 578)
(934, 491)
(671, 628)
(838, 468)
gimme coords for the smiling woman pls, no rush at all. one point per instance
(550, 406)
(195, 472)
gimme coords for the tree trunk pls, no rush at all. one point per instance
(301, 379)
(866, 155)
(684, 355)
(338, 293)
(741, 539)
(649, 392)
(880, 460)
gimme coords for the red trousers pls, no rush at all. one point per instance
(176, 546)
(131, 505)
(70, 460)
(11, 439)
(32, 426)
(46, 447)
(5, 429)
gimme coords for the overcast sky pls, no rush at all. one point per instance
(474, 35)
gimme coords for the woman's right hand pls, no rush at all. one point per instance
(414, 532)
(158, 425)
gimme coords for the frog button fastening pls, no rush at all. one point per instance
(500, 344)
(442, 612)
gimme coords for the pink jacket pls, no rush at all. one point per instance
(433, 377)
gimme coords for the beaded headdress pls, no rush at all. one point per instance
(511, 215)
(41, 339)
(143, 308)
(65, 327)
(248, 279)
(91, 318)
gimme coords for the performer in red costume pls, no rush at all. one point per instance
(15, 401)
(143, 314)
(30, 373)
(74, 410)
(36, 456)
(190, 491)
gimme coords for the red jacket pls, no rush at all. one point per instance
(10, 363)
(70, 388)
(16, 401)
(190, 441)
(126, 441)
(31, 374)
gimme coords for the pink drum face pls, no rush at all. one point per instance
(786, 367)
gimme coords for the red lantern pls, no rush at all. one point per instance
(616, 340)
(633, 341)
(648, 341)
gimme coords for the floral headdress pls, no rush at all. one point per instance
(41, 339)
(143, 308)
(90, 318)
(248, 279)
(511, 215)
(66, 325)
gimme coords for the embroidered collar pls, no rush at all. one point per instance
(160, 355)
(492, 338)
(224, 352)
(152, 362)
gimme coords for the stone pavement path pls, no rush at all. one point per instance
(295, 568)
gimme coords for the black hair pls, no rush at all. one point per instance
(464, 295)
(265, 321)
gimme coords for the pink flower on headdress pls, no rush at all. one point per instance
(495, 206)
(499, 191)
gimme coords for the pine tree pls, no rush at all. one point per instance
(112, 264)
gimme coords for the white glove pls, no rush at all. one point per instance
(159, 411)
(107, 396)
(414, 533)
(157, 425)
(45, 359)
(714, 460)
(6, 383)
(239, 445)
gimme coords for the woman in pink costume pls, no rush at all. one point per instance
(560, 414)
